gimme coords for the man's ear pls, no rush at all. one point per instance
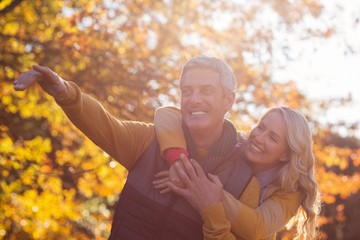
(229, 100)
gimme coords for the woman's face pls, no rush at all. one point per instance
(267, 144)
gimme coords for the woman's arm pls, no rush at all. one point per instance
(248, 220)
(216, 225)
(168, 127)
(207, 196)
(171, 139)
(265, 220)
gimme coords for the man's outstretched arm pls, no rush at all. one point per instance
(125, 141)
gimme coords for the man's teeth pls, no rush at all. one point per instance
(256, 148)
(198, 113)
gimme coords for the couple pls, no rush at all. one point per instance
(267, 179)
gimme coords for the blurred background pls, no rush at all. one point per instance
(55, 183)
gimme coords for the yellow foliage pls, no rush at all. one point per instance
(54, 180)
(30, 16)
(332, 156)
(53, 185)
(4, 4)
(85, 185)
(11, 28)
(6, 145)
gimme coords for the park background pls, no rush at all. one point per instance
(55, 183)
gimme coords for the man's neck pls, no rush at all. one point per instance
(206, 139)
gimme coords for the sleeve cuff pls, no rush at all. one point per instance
(214, 216)
(173, 154)
(71, 96)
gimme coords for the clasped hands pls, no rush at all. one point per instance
(187, 179)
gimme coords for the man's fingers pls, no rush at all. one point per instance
(160, 185)
(43, 70)
(166, 190)
(161, 180)
(26, 80)
(50, 75)
(162, 174)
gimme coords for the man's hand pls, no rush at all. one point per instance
(171, 175)
(49, 81)
(200, 191)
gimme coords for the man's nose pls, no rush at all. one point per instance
(196, 97)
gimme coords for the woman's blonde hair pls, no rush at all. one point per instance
(298, 173)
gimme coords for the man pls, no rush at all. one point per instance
(207, 93)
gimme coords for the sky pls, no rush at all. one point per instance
(327, 68)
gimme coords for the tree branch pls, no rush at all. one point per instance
(10, 7)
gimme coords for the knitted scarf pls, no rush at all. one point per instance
(222, 148)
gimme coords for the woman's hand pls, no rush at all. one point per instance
(200, 191)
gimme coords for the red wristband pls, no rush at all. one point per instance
(173, 154)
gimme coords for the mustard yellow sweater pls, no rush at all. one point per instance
(241, 218)
(125, 141)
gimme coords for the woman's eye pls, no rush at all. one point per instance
(274, 139)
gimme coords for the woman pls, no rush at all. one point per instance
(279, 150)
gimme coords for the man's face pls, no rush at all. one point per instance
(203, 101)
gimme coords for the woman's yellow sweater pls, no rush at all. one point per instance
(243, 218)
(125, 141)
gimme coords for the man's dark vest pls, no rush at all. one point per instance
(142, 213)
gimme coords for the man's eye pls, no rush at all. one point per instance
(185, 92)
(207, 91)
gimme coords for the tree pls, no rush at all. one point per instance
(55, 182)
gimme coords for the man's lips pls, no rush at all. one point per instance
(198, 113)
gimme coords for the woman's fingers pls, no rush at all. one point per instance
(197, 168)
(174, 176)
(188, 167)
(183, 192)
(215, 179)
(181, 171)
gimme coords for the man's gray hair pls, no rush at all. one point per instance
(227, 76)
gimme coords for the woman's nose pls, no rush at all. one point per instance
(260, 137)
